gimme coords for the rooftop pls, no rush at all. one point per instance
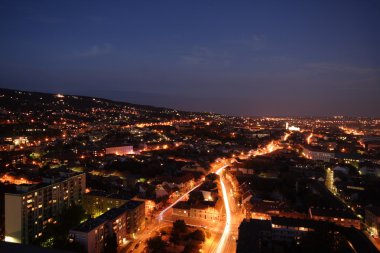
(111, 214)
(332, 212)
(132, 204)
(7, 247)
(182, 205)
(89, 225)
(374, 209)
(291, 222)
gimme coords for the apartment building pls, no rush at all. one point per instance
(98, 202)
(28, 209)
(122, 222)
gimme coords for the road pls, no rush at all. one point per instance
(164, 219)
(223, 240)
(163, 212)
(143, 236)
(234, 216)
(223, 234)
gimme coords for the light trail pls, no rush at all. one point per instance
(227, 228)
(161, 215)
(269, 148)
(220, 169)
(286, 136)
(309, 138)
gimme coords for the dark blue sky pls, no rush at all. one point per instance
(237, 57)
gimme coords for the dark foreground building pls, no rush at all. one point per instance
(282, 234)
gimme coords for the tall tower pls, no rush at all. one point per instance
(287, 125)
(330, 180)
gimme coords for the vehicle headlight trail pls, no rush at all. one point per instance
(227, 228)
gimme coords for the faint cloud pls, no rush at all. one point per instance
(198, 55)
(255, 41)
(205, 55)
(339, 67)
(95, 50)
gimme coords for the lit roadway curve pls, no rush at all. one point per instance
(226, 236)
(160, 216)
(162, 213)
(227, 227)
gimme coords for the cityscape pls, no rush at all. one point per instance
(92, 175)
(189, 126)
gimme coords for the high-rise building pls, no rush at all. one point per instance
(330, 180)
(31, 207)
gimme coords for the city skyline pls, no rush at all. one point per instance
(92, 175)
(190, 126)
(272, 59)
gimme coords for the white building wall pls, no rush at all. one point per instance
(13, 218)
(121, 150)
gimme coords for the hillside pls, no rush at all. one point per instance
(39, 110)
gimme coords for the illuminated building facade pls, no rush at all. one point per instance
(372, 220)
(97, 202)
(151, 205)
(135, 216)
(122, 222)
(292, 128)
(90, 234)
(208, 210)
(330, 180)
(120, 150)
(318, 155)
(31, 208)
(344, 218)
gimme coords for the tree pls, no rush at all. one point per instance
(191, 247)
(179, 226)
(174, 238)
(156, 245)
(198, 235)
(212, 177)
(55, 234)
(72, 216)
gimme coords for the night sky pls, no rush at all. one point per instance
(236, 57)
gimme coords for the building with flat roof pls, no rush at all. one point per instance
(121, 222)
(98, 202)
(317, 154)
(277, 233)
(135, 212)
(90, 234)
(341, 217)
(254, 236)
(8, 247)
(208, 210)
(120, 150)
(30, 208)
